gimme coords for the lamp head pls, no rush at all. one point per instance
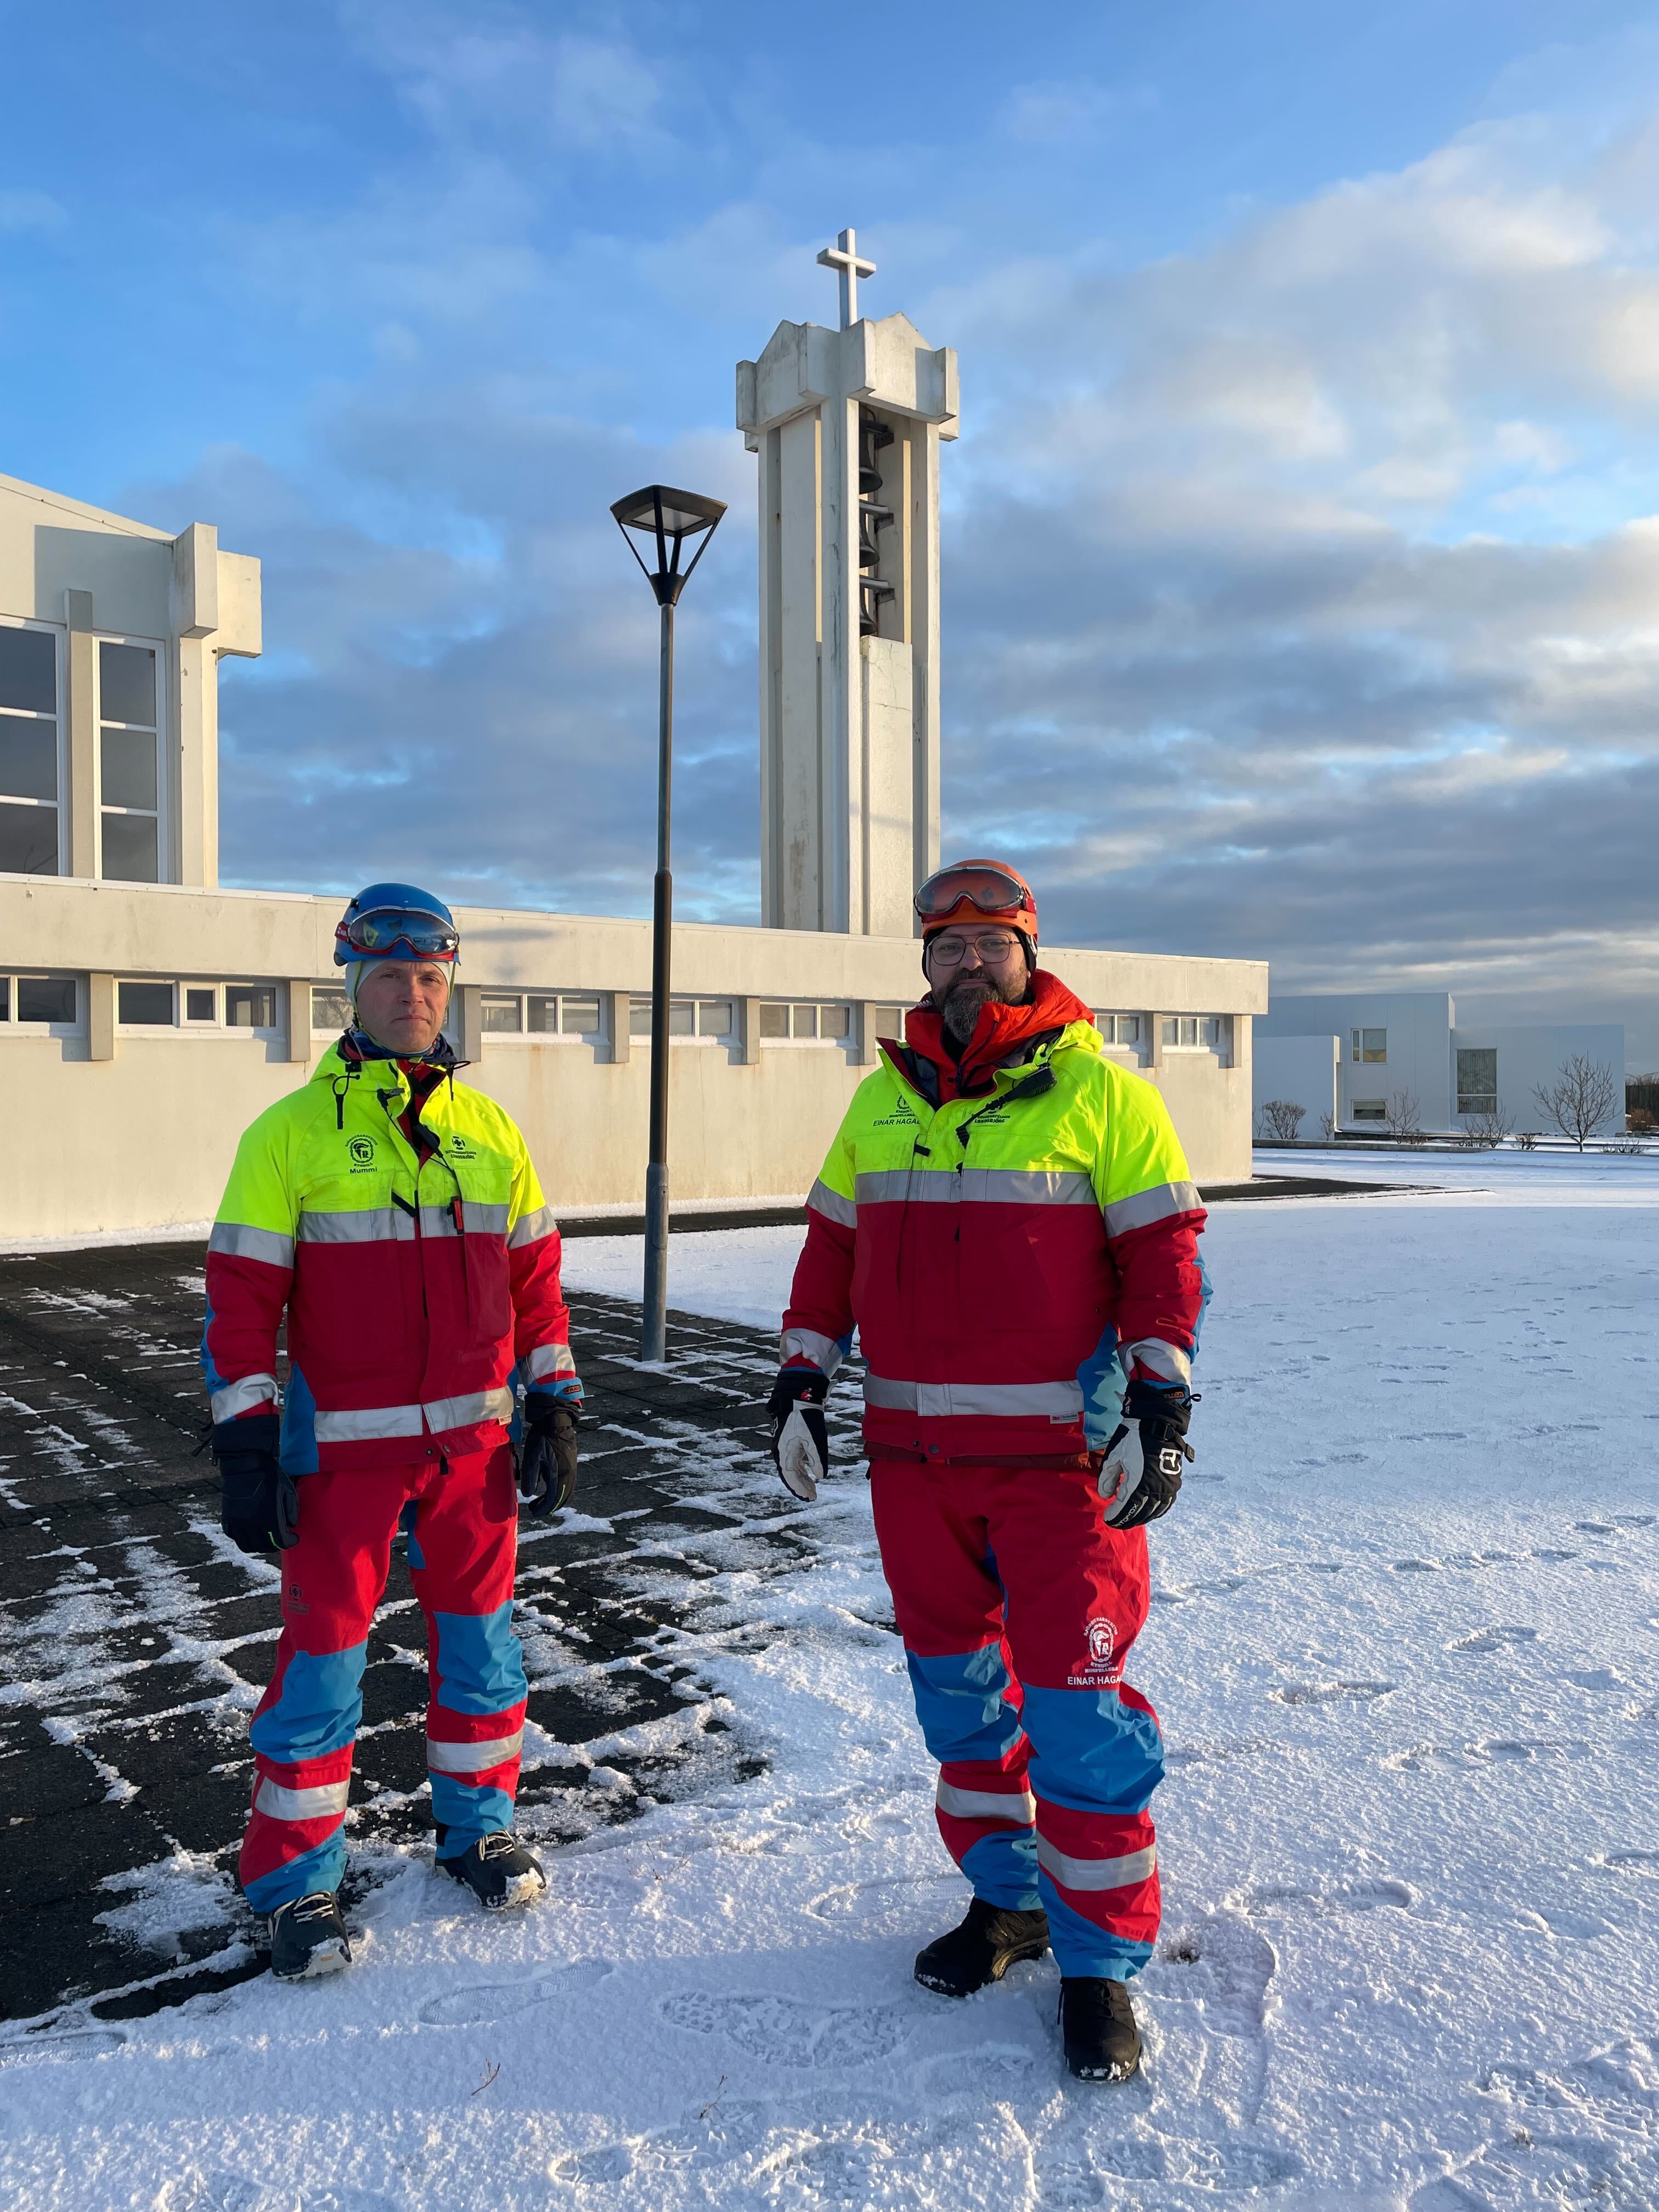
(666, 520)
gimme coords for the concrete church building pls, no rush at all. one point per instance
(134, 1053)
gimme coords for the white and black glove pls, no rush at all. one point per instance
(1141, 1472)
(800, 1435)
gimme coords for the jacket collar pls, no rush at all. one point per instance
(1003, 1036)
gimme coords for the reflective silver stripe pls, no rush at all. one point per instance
(986, 1805)
(284, 1804)
(1096, 1874)
(548, 1359)
(235, 1240)
(1028, 1400)
(1167, 1361)
(461, 1412)
(531, 1228)
(977, 1187)
(239, 1397)
(367, 1423)
(1149, 1205)
(375, 1224)
(479, 1220)
(472, 1758)
(832, 1205)
(823, 1351)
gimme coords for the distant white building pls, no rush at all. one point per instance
(1348, 1055)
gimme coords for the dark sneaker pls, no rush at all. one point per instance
(308, 1938)
(499, 1871)
(981, 1949)
(1098, 2027)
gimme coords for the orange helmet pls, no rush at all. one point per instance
(978, 890)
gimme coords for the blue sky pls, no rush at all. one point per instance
(1302, 559)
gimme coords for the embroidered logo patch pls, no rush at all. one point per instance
(1097, 1672)
(461, 1149)
(361, 1150)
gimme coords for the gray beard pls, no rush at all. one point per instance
(958, 1010)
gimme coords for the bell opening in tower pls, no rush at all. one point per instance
(878, 513)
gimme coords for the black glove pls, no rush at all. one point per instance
(1141, 1472)
(259, 1504)
(547, 1455)
(800, 1447)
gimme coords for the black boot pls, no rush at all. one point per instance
(498, 1870)
(981, 1949)
(308, 1937)
(1098, 2027)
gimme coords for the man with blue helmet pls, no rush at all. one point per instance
(391, 1215)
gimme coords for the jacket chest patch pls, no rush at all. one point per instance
(361, 1151)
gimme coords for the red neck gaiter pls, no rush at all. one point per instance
(998, 1035)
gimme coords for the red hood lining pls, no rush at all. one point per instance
(998, 1035)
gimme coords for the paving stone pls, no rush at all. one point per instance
(135, 1645)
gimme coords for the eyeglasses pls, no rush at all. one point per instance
(426, 935)
(994, 948)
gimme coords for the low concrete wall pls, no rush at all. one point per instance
(141, 1135)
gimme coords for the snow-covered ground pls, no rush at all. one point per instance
(1404, 1648)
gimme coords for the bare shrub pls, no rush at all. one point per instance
(1528, 1140)
(1580, 1099)
(1283, 1119)
(1328, 1128)
(1404, 1118)
(1486, 1132)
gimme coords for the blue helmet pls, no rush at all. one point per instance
(395, 922)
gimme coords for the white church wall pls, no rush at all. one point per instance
(123, 1127)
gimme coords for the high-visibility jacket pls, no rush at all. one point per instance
(1008, 1258)
(417, 1290)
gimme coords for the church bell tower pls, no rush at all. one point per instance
(846, 424)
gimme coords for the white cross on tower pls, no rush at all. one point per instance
(843, 257)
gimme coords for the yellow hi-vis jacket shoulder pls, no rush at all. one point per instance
(1007, 1261)
(413, 1287)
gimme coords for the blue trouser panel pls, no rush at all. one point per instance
(965, 1715)
(478, 1671)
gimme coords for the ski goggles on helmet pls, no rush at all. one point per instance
(388, 932)
(991, 889)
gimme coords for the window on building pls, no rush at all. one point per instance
(681, 1018)
(1118, 1029)
(28, 751)
(835, 1022)
(330, 1009)
(501, 1009)
(144, 1006)
(39, 998)
(1477, 1080)
(579, 1017)
(1181, 1031)
(775, 1021)
(129, 761)
(716, 1018)
(1369, 1109)
(1371, 1046)
(250, 1007)
(202, 1003)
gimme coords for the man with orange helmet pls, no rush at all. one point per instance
(1007, 1218)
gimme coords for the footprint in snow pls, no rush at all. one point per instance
(58, 2050)
(1494, 1639)
(482, 2000)
(1630, 1862)
(1222, 1962)
(786, 2032)
(1329, 1694)
(1416, 1567)
(852, 1900)
(1597, 1677)
(1340, 1897)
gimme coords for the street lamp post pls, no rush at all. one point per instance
(667, 520)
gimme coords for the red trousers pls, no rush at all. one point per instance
(461, 1517)
(1017, 1606)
